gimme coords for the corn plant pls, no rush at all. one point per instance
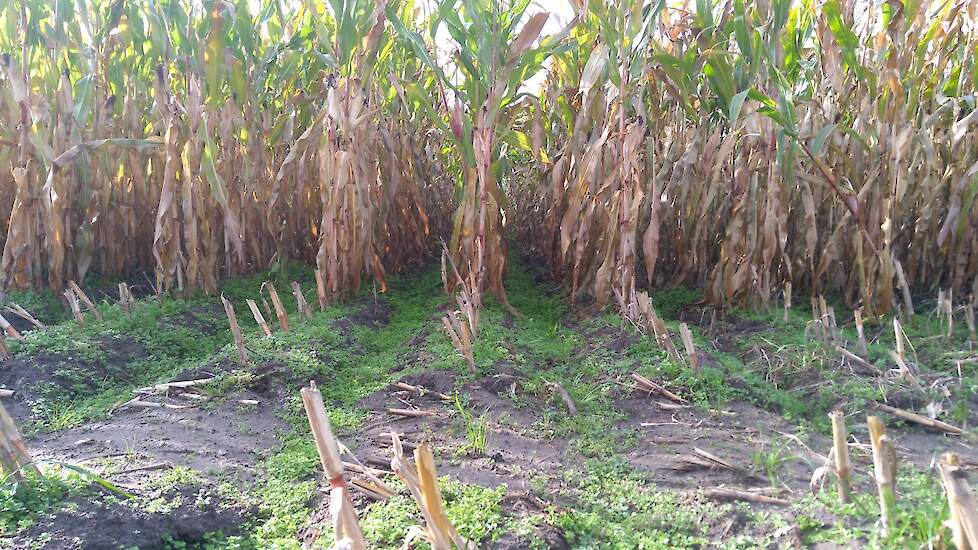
(595, 188)
(788, 141)
(249, 133)
(495, 51)
(729, 145)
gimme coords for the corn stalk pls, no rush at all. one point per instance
(496, 50)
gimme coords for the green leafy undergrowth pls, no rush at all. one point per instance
(608, 505)
(95, 365)
(22, 502)
(474, 510)
(788, 367)
(43, 305)
(360, 346)
(215, 540)
(284, 493)
(921, 509)
(590, 358)
(91, 366)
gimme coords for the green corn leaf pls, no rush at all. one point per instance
(519, 140)
(768, 107)
(847, 40)
(97, 479)
(819, 142)
(210, 169)
(736, 103)
(417, 45)
(84, 89)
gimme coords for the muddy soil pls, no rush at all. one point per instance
(510, 449)
(218, 440)
(221, 442)
(32, 377)
(103, 523)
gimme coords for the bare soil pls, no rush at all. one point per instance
(106, 524)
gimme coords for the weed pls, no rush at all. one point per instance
(55, 414)
(237, 379)
(178, 476)
(770, 461)
(42, 304)
(476, 429)
(605, 504)
(214, 540)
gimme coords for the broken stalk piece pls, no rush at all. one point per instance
(736, 494)
(84, 298)
(14, 308)
(8, 328)
(259, 318)
(283, 318)
(564, 396)
(918, 419)
(320, 290)
(14, 458)
(884, 468)
(345, 522)
(645, 384)
(863, 346)
(423, 484)
(73, 305)
(962, 502)
(787, 299)
(687, 338)
(840, 449)
(300, 300)
(421, 391)
(235, 330)
(125, 297)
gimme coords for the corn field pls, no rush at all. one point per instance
(729, 145)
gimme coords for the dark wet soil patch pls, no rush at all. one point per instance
(25, 377)
(728, 332)
(41, 376)
(99, 524)
(509, 449)
(19, 323)
(198, 318)
(739, 434)
(121, 350)
(373, 313)
(368, 313)
(225, 435)
(138, 283)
